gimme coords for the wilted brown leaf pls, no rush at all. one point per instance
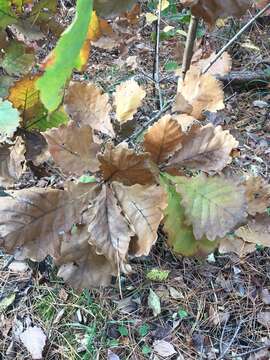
(6, 178)
(220, 67)
(109, 230)
(257, 231)
(232, 244)
(163, 139)
(143, 206)
(210, 11)
(80, 265)
(73, 148)
(86, 105)
(122, 164)
(34, 219)
(12, 162)
(258, 195)
(204, 148)
(127, 98)
(181, 105)
(186, 121)
(203, 92)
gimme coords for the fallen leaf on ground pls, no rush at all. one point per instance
(154, 303)
(128, 97)
(5, 302)
(112, 356)
(263, 318)
(265, 295)
(163, 348)
(34, 339)
(202, 92)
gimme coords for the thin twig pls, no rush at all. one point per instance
(232, 341)
(192, 30)
(250, 351)
(233, 39)
(156, 64)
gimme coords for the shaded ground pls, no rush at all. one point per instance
(210, 309)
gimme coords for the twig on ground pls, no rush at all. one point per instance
(236, 36)
(250, 351)
(193, 25)
(8, 262)
(224, 352)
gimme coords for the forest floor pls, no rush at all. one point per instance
(214, 308)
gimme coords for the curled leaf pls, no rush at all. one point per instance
(202, 92)
(143, 206)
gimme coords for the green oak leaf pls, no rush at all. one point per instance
(180, 236)
(63, 58)
(213, 205)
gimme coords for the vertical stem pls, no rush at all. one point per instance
(156, 60)
(193, 25)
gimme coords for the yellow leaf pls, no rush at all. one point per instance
(150, 18)
(128, 97)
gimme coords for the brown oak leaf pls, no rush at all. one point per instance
(73, 148)
(258, 195)
(110, 232)
(34, 219)
(86, 105)
(257, 231)
(123, 164)
(163, 139)
(128, 97)
(80, 265)
(202, 92)
(143, 206)
(206, 148)
(210, 11)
